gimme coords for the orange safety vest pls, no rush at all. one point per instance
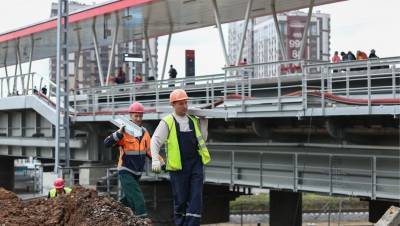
(133, 151)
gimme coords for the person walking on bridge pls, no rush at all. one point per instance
(172, 75)
(186, 152)
(134, 146)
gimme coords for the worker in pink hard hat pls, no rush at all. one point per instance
(59, 189)
(134, 146)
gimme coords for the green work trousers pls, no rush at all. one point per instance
(132, 194)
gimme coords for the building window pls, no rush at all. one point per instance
(107, 26)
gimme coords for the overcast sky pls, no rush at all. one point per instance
(355, 24)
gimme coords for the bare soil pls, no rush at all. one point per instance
(81, 207)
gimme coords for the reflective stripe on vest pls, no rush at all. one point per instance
(135, 152)
(172, 144)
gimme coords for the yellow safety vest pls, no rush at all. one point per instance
(53, 192)
(172, 145)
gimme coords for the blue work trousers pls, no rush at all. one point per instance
(187, 192)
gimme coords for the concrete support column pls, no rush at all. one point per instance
(7, 173)
(378, 207)
(159, 202)
(285, 208)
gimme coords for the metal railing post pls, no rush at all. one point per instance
(242, 96)
(323, 90)
(108, 180)
(213, 94)
(304, 88)
(134, 92)
(373, 178)
(112, 101)
(87, 99)
(35, 179)
(157, 98)
(295, 173)
(232, 168)
(280, 93)
(76, 110)
(394, 81)
(330, 175)
(119, 190)
(347, 82)
(369, 86)
(225, 88)
(261, 169)
(329, 80)
(249, 77)
(207, 93)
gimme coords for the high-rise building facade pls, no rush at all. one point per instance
(262, 41)
(84, 72)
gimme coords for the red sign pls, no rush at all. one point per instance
(295, 29)
(189, 53)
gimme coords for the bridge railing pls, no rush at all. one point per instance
(153, 93)
(26, 84)
(365, 175)
(310, 82)
(346, 83)
(20, 84)
(347, 174)
(363, 83)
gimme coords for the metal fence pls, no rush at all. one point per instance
(306, 83)
(347, 174)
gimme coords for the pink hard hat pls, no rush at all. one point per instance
(59, 183)
(136, 107)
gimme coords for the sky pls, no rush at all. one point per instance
(355, 24)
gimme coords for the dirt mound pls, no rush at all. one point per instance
(82, 207)
(4, 194)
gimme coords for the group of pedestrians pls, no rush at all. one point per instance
(349, 56)
(360, 55)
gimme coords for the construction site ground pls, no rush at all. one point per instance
(304, 224)
(81, 207)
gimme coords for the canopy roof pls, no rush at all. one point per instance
(156, 17)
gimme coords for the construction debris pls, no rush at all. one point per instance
(390, 218)
(81, 207)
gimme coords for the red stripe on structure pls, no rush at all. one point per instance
(75, 17)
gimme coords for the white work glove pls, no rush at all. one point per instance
(156, 165)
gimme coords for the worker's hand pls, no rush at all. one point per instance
(121, 129)
(156, 165)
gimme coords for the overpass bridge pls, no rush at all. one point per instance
(288, 132)
(326, 128)
(317, 127)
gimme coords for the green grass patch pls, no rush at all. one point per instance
(311, 201)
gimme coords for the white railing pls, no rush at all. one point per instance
(294, 171)
(367, 79)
